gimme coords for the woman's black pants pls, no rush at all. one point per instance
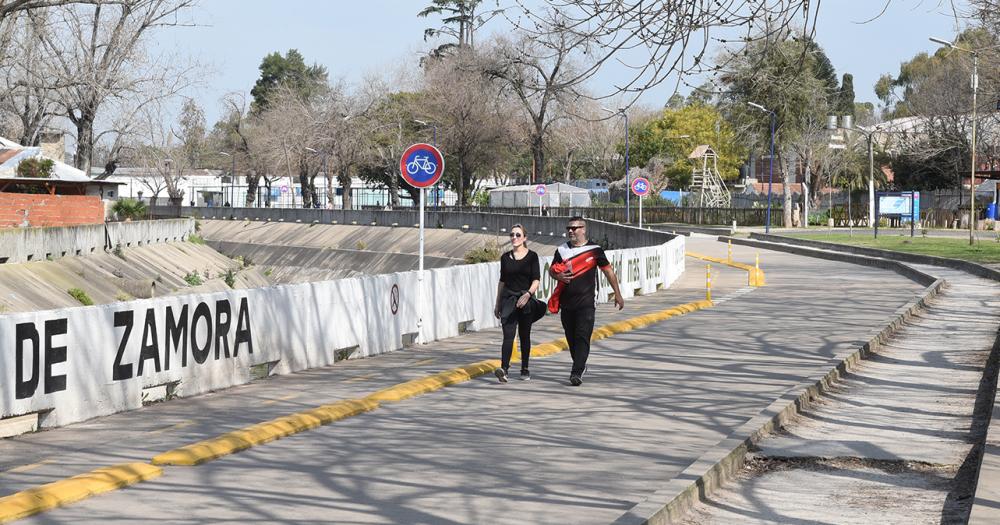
(518, 321)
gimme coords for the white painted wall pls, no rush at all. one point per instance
(297, 326)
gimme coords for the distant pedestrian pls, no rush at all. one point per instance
(515, 306)
(545, 211)
(575, 267)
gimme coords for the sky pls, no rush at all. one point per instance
(356, 38)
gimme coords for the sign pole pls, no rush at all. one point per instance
(420, 272)
(640, 212)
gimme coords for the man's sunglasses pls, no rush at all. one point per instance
(573, 228)
(516, 235)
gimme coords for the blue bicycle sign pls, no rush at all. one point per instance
(640, 186)
(421, 165)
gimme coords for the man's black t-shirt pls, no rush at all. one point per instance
(516, 274)
(581, 292)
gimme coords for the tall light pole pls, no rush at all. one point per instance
(975, 89)
(232, 178)
(770, 178)
(628, 178)
(434, 140)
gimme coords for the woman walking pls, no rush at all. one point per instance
(519, 279)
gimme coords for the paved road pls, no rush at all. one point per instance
(534, 452)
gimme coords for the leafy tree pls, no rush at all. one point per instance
(460, 20)
(659, 140)
(35, 168)
(290, 71)
(793, 79)
(845, 98)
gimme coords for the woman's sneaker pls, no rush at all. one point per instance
(501, 374)
(525, 375)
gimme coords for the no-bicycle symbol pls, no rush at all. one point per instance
(394, 299)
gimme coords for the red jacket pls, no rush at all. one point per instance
(581, 264)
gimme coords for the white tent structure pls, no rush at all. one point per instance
(557, 195)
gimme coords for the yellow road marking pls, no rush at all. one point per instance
(424, 361)
(27, 468)
(178, 426)
(471, 350)
(360, 378)
(280, 399)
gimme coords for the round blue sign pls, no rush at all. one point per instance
(421, 165)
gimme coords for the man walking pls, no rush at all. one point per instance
(575, 267)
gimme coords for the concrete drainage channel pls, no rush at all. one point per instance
(889, 433)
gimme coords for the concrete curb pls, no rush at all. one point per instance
(873, 261)
(969, 267)
(724, 460)
(66, 491)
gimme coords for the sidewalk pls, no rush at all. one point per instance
(539, 452)
(893, 442)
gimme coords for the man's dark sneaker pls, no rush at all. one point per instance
(525, 375)
(575, 380)
(501, 374)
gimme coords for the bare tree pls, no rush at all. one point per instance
(466, 106)
(588, 139)
(538, 73)
(98, 50)
(27, 91)
(676, 35)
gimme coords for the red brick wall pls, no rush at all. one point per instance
(24, 210)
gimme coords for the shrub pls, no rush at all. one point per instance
(230, 278)
(268, 272)
(360, 245)
(81, 296)
(196, 239)
(488, 252)
(35, 168)
(129, 209)
(192, 278)
(119, 252)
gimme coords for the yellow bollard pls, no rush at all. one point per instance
(708, 282)
(730, 251)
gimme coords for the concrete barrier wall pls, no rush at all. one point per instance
(613, 235)
(18, 245)
(78, 363)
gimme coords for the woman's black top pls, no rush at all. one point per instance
(518, 275)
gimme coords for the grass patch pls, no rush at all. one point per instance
(194, 238)
(81, 296)
(193, 279)
(986, 250)
(488, 252)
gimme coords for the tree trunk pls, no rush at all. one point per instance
(394, 192)
(789, 178)
(568, 175)
(253, 182)
(538, 156)
(331, 192)
(461, 182)
(345, 185)
(84, 143)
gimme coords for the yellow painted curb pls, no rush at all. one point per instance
(261, 433)
(755, 276)
(66, 491)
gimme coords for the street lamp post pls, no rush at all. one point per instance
(770, 178)
(975, 90)
(232, 179)
(628, 178)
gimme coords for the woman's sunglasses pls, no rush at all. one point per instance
(516, 235)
